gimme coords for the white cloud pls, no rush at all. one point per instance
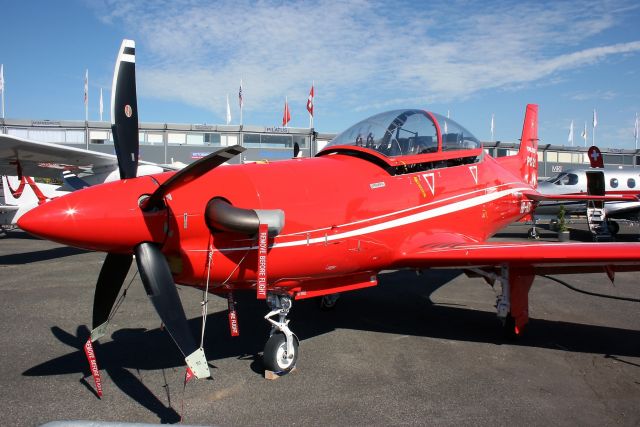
(358, 52)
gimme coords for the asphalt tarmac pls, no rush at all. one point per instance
(418, 350)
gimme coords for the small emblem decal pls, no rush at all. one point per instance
(430, 179)
(474, 173)
(377, 185)
(128, 111)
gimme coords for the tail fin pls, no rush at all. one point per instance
(525, 163)
(595, 157)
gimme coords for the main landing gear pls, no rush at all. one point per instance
(281, 351)
(512, 305)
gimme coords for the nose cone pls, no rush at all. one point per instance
(104, 218)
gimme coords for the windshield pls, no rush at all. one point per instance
(406, 132)
(454, 136)
(564, 179)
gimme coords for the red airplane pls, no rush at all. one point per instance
(402, 189)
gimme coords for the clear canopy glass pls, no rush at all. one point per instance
(406, 132)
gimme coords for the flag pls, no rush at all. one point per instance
(636, 131)
(446, 130)
(228, 111)
(101, 105)
(310, 101)
(286, 117)
(240, 101)
(492, 125)
(86, 88)
(595, 118)
(2, 88)
(584, 133)
(570, 139)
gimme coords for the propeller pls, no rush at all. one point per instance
(114, 271)
(124, 111)
(188, 174)
(158, 282)
(154, 269)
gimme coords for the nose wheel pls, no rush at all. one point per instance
(276, 357)
(281, 351)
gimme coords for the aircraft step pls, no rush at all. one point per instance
(596, 218)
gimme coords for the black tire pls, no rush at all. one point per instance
(275, 350)
(614, 227)
(327, 303)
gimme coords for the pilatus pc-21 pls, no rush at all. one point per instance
(402, 189)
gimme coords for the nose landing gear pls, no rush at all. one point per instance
(281, 351)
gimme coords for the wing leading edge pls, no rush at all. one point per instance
(543, 258)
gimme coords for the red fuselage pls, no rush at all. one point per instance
(346, 218)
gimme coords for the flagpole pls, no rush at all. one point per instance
(2, 87)
(241, 102)
(86, 96)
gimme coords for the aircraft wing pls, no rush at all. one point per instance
(44, 159)
(544, 258)
(538, 197)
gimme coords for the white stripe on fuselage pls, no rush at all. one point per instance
(399, 222)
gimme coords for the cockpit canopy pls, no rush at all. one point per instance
(407, 132)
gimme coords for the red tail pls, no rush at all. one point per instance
(525, 163)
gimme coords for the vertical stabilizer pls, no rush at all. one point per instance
(525, 163)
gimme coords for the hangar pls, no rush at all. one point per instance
(175, 142)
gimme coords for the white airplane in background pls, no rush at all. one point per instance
(20, 195)
(596, 180)
(21, 159)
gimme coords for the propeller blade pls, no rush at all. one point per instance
(114, 271)
(158, 282)
(124, 110)
(189, 173)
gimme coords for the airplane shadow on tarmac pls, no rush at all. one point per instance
(37, 256)
(400, 304)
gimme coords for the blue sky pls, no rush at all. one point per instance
(473, 58)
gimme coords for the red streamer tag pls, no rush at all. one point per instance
(188, 375)
(233, 317)
(93, 366)
(263, 230)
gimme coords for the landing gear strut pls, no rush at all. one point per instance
(533, 231)
(281, 351)
(512, 305)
